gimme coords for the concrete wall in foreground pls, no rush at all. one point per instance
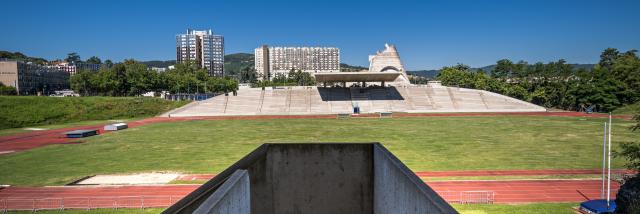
(397, 191)
(232, 197)
(312, 178)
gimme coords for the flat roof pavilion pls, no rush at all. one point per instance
(357, 77)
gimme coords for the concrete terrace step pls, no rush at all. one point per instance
(311, 100)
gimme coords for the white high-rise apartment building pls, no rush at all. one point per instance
(203, 48)
(270, 61)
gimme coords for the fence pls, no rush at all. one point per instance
(468, 197)
(196, 97)
(35, 204)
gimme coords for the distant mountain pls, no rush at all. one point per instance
(233, 63)
(585, 66)
(424, 73)
(351, 68)
(21, 57)
(159, 63)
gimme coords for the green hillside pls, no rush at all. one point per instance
(21, 57)
(233, 63)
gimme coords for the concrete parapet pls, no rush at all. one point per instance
(316, 178)
(232, 197)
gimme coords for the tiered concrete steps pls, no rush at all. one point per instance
(309, 100)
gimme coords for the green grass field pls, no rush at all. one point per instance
(423, 143)
(22, 111)
(550, 208)
(536, 208)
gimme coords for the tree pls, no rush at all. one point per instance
(108, 63)
(248, 74)
(300, 78)
(628, 197)
(94, 60)
(608, 57)
(503, 68)
(83, 82)
(73, 58)
(7, 90)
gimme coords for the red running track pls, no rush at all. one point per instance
(518, 191)
(528, 191)
(34, 198)
(31, 140)
(518, 172)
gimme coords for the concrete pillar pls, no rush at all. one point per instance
(364, 84)
(324, 84)
(344, 84)
(382, 84)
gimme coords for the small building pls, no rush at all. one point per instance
(32, 79)
(74, 68)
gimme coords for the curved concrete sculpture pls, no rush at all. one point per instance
(388, 61)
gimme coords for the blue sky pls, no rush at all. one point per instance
(428, 34)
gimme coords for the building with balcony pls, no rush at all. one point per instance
(271, 61)
(203, 48)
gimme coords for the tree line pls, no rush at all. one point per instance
(613, 82)
(132, 78)
(293, 78)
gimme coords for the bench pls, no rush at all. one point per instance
(343, 116)
(386, 115)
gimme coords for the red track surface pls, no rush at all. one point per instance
(527, 191)
(31, 140)
(517, 172)
(523, 191)
(34, 198)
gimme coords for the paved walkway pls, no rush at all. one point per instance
(35, 139)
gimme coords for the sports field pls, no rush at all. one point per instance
(464, 209)
(423, 143)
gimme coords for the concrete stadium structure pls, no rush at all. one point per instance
(311, 100)
(315, 178)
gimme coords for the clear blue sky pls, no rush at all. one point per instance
(428, 34)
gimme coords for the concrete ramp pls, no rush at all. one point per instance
(315, 178)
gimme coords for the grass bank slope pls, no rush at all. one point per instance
(21, 111)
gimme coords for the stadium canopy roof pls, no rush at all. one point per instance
(357, 77)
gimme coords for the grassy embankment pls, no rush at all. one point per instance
(58, 112)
